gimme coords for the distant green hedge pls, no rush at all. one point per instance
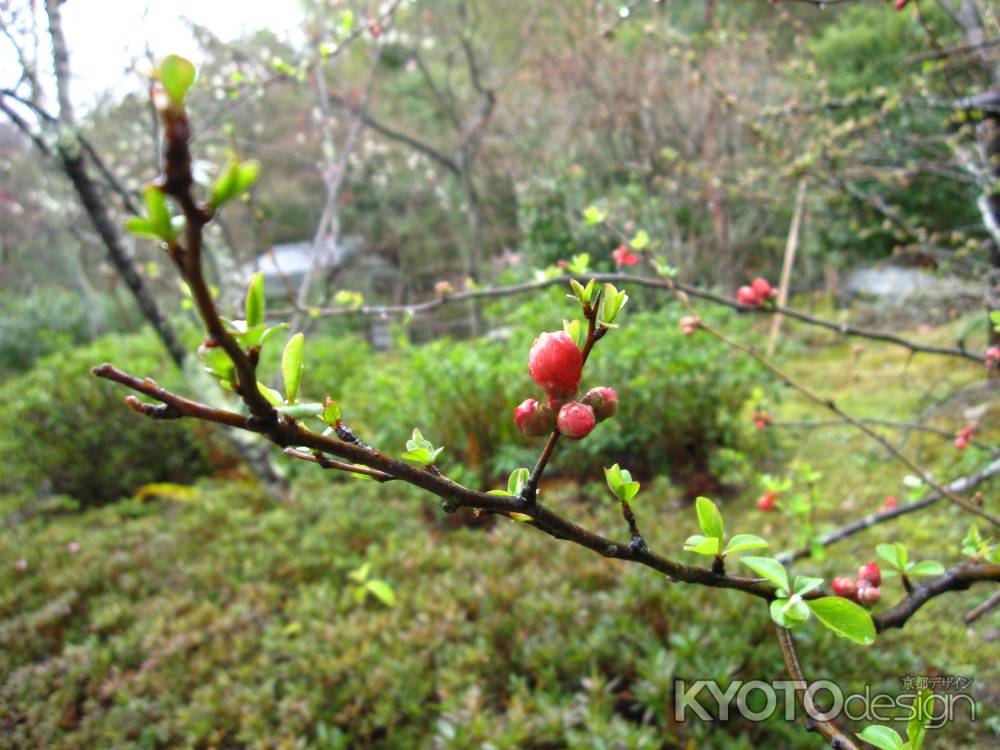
(65, 432)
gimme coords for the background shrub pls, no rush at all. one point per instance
(65, 432)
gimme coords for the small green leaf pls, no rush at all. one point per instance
(383, 591)
(926, 568)
(246, 175)
(301, 411)
(176, 75)
(331, 411)
(894, 554)
(272, 396)
(702, 545)
(640, 241)
(140, 226)
(517, 480)
(845, 618)
(420, 456)
(789, 612)
(805, 584)
(769, 568)
(255, 300)
(269, 332)
(159, 213)
(710, 519)
(593, 215)
(292, 366)
(883, 738)
(744, 542)
(923, 714)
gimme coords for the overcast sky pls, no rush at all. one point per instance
(105, 35)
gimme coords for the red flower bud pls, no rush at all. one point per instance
(603, 400)
(845, 587)
(762, 289)
(869, 595)
(890, 503)
(746, 296)
(576, 420)
(870, 572)
(533, 418)
(992, 356)
(556, 363)
(766, 501)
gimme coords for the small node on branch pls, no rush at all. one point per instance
(153, 411)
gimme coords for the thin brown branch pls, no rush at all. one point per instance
(843, 329)
(831, 405)
(957, 578)
(329, 463)
(830, 731)
(987, 606)
(963, 484)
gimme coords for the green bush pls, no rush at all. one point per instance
(65, 432)
(37, 324)
(503, 639)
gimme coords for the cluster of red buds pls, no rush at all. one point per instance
(767, 500)
(758, 294)
(555, 362)
(865, 590)
(962, 438)
(761, 419)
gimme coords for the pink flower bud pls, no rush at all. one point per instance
(534, 419)
(746, 296)
(762, 289)
(869, 595)
(690, 324)
(556, 363)
(871, 572)
(603, 400)
(845, 587)
(576, 420)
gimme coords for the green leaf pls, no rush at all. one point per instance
(246, 175)
(272, 396)
(573, 329)
(255, 300)
(593, 215)
(923, 714)
(845, 618)
(292, 366)
(709, 518)
(517, 480)
(301, 411)
(702, 545)
(176, 75)
(620, 482)
(269, 332)
(347, 21)
(805, 584)
(159, 213)
(744, 542)
(882, 737)
(331, 411)
(995, 317)
(420, 456)
(926, 568)
(789, 613)
(640, 241)
(894, 554)
(769, 568)
(140, 226)
(383, 591)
